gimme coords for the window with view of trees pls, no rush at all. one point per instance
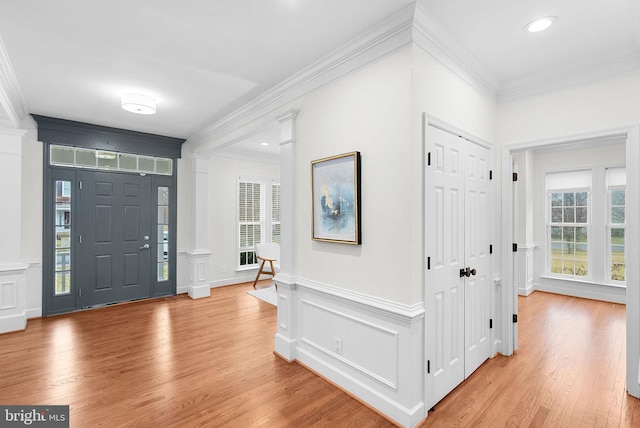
(616, 222)
(569, 233)
(577, 227)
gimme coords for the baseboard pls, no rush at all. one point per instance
(199, 291)
(14, 322)
(585, 291)
(526, 291)
(33, 313)
(284, 348)
(182, 289)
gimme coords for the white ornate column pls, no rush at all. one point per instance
(12, 270)
(285, 336)
(199, 250)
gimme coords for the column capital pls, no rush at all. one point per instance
(287, 127)
(290, 114)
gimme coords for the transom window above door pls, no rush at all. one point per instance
(80, 157)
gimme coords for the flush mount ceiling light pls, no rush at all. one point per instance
(540, 24)
(137, 103)
(264, 144)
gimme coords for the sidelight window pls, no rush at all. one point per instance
(62, 251)
(163, 234)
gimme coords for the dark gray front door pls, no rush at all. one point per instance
(114, 224)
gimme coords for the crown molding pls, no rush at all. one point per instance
(248, 156)
(11, 97)
(513, 91)
(386, 38)
(433, 38)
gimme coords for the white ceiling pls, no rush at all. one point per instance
(203, 59)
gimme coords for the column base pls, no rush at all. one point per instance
(199, 291)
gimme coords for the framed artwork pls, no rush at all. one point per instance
(335, 193)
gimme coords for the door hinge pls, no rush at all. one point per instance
(428, 366)
(429, 158)
(490, 174)
(80, 239)
(515, 248)
(515, 317)
(490, 322)
(79, 292)
(490, 249)
(515, 176)
(80, 185)
(428, 263)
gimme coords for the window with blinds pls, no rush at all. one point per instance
(250, 221)
(275, 213)
(258, 217)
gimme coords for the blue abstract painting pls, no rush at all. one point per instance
(335, 198)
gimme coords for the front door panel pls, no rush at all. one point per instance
(114, 224)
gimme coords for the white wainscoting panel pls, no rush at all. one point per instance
(33, 289)
(12, 298)
(524, 269)
(8, 295)
(372, 348)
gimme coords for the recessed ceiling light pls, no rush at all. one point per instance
(264, 144)
(138, 103)
(540, 24)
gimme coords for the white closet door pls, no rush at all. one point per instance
(445, 304)
(457, 238)
(476, 232)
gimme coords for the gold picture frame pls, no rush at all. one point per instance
(335, 199)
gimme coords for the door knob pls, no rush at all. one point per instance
(144, 247)
(467, 272)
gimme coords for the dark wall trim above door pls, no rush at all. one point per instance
(78, 134)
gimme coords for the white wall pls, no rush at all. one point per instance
(378, 111)
(577, 110)
(368, 111)
(223, 176)
(447, 97)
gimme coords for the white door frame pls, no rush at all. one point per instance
(632, 250)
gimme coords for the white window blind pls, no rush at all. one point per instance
(258, 217)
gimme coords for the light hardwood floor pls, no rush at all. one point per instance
(179, 362)
(171, 363)
(569, 371)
